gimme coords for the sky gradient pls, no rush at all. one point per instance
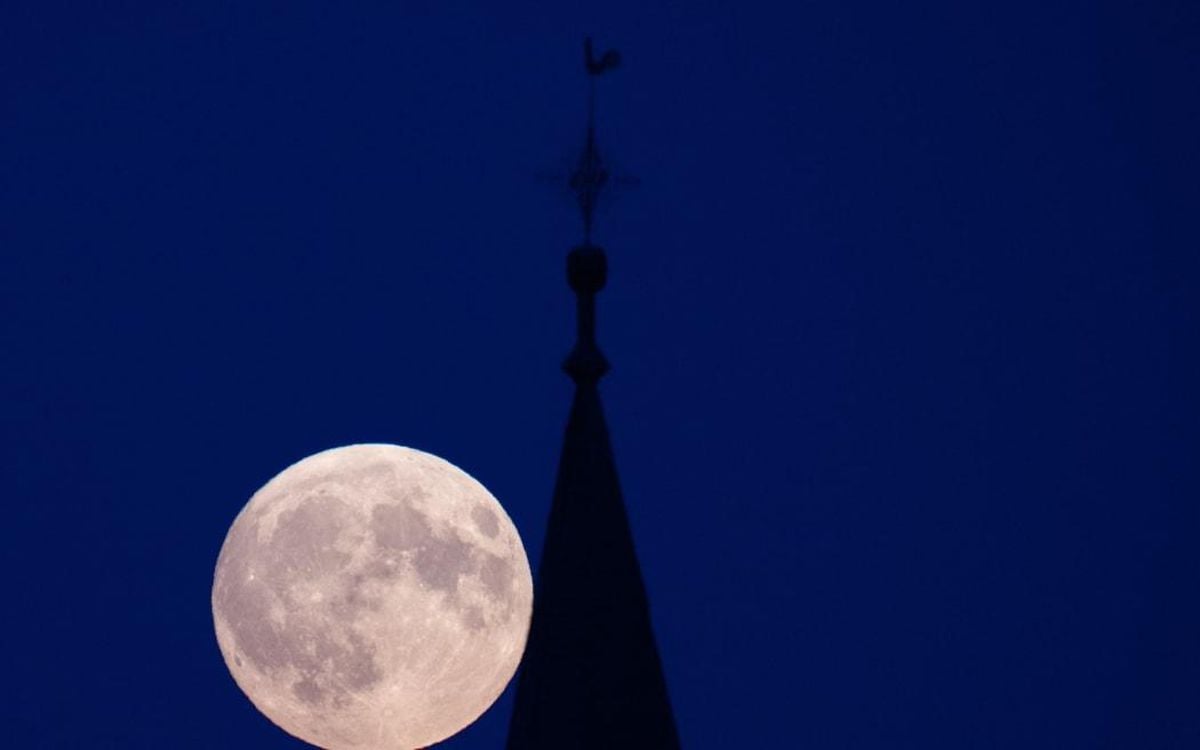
(901, 318)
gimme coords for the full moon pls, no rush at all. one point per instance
(372, 597)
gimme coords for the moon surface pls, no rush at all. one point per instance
(372, 597)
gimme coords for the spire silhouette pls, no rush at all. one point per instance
(591, 676)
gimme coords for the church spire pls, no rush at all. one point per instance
(591, 676)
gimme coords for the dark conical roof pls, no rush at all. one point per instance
(591, 677)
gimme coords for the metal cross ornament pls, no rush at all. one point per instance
(590, 178)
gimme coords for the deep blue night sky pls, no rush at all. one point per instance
(902, 323)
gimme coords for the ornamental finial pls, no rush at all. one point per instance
(591, 176)
(587, 266)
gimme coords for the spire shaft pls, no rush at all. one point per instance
(587, 271)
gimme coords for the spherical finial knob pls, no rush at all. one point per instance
(587, 269)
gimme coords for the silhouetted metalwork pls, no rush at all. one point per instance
(591, 176)
(591, 676)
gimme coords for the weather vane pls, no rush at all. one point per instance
(590, 176)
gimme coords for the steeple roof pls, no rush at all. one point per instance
(591, 677)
